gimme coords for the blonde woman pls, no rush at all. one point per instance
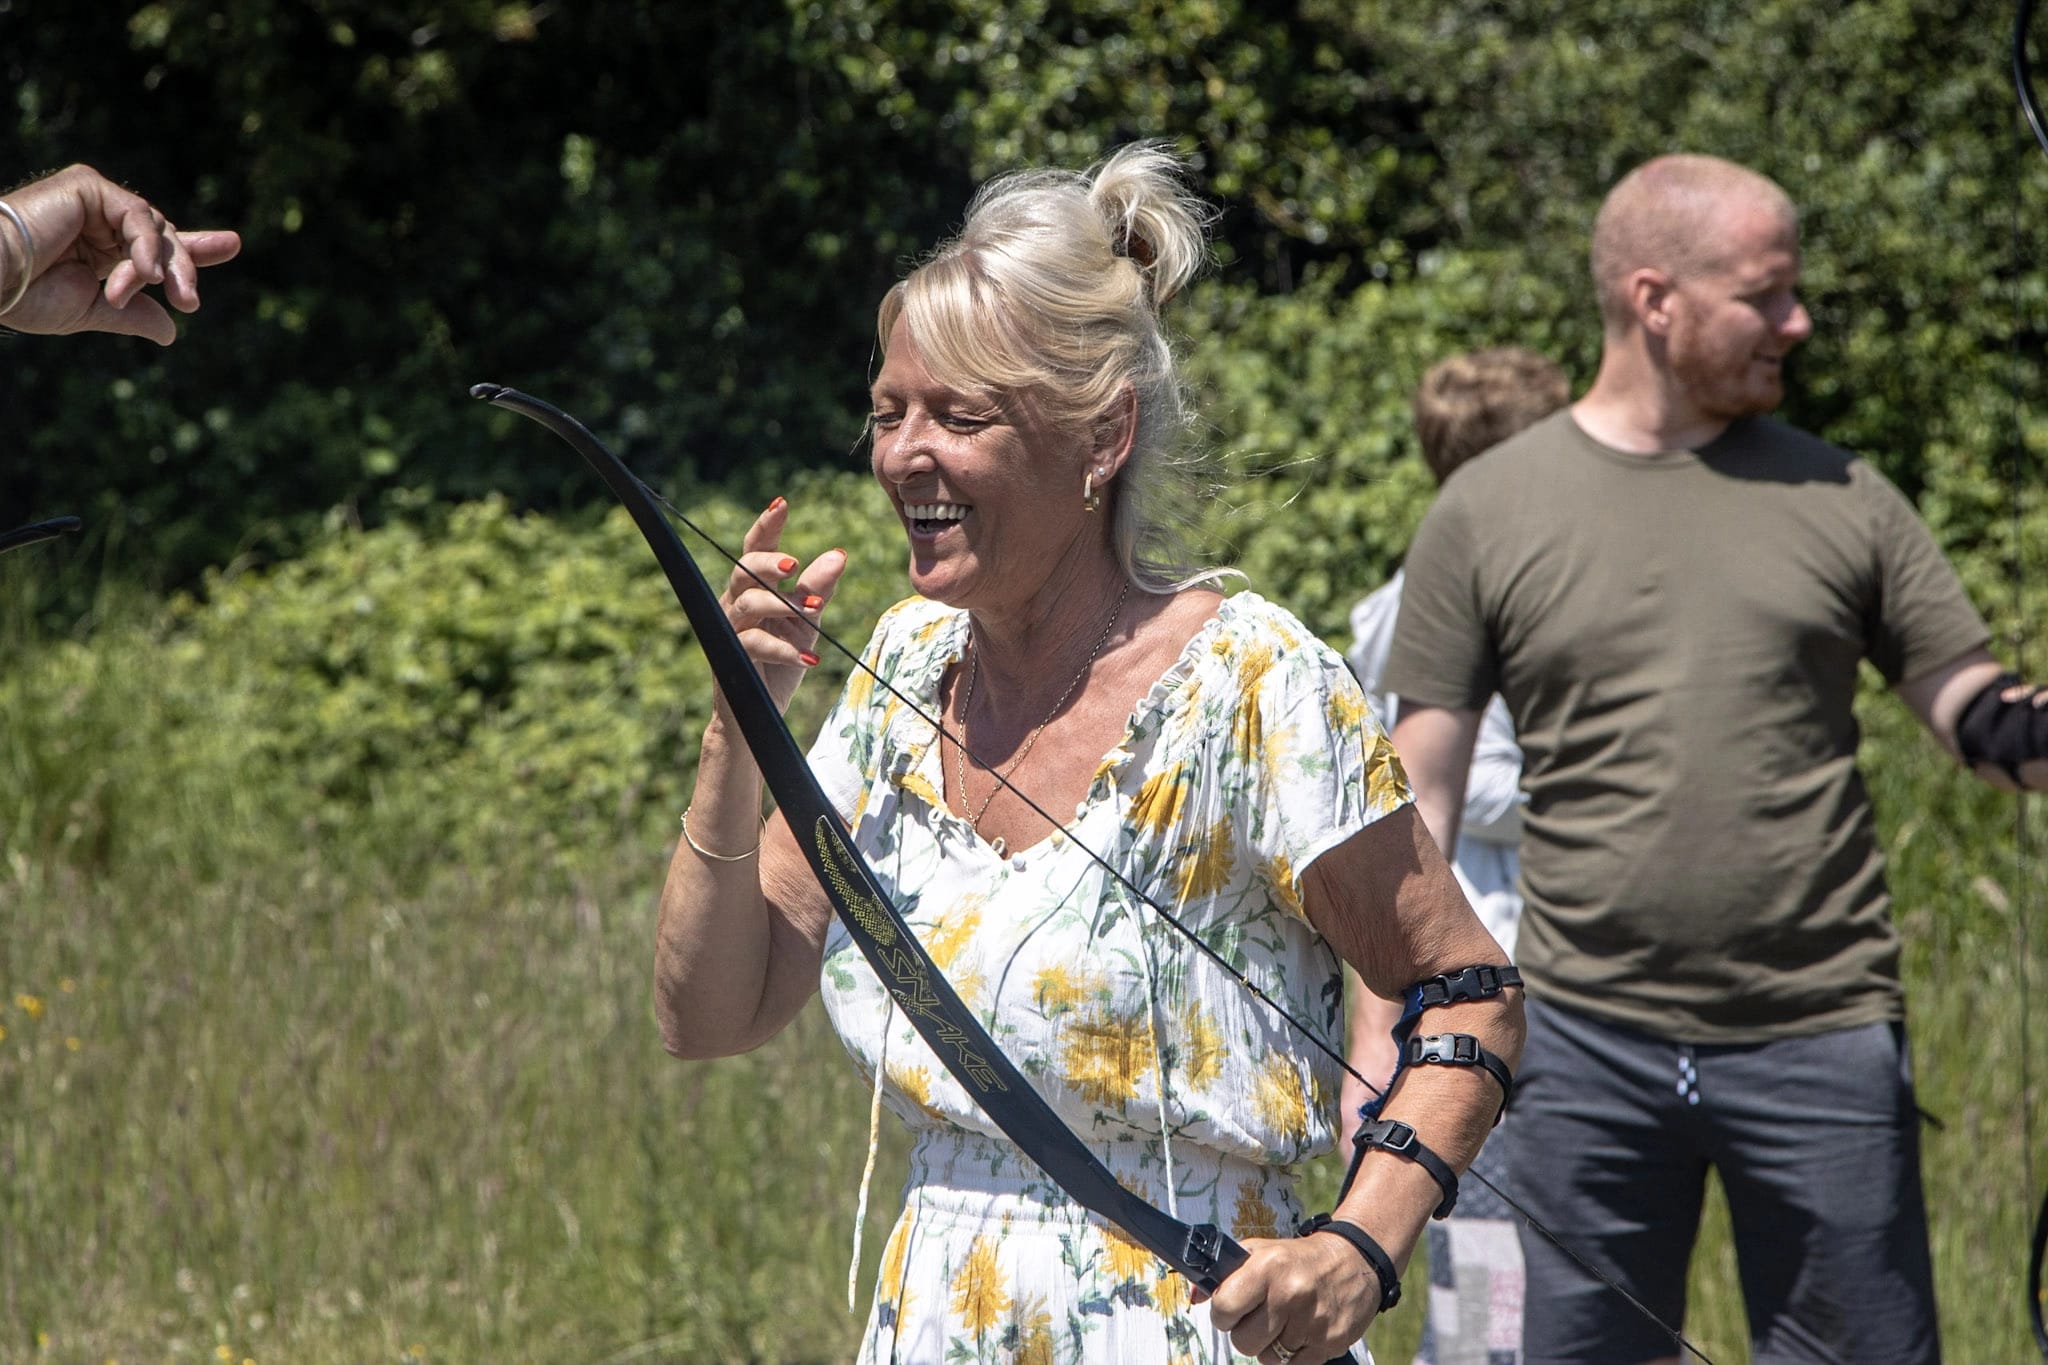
(1028, 426)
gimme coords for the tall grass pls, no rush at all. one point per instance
(273, 1089)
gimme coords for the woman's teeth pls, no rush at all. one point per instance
(930, 516)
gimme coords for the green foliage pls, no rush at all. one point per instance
(677, 220)
(420, 690)
(1308, 398)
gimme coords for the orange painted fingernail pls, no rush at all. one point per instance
(779, 503)
(810, 659)
(786, 563)
(813, 603)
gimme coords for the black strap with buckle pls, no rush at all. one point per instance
(1461, 1049)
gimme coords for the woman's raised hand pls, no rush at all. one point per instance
(779, 628)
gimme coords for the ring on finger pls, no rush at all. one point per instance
(1284, 1354)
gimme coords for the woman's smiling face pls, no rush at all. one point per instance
(988, 495)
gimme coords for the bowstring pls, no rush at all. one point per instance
(939, 726)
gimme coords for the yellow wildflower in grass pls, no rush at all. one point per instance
(1105, 1054)
(1207, 870)
(1202, 1050)
(1127, 1260)
(223, 1352)
(72, 1044)
(1034, 1333)
(1157, 806)
(1280, 877)
(30, 1005)
(1252, 1216)
(3, 1033)
(67, 985)
(955, 931)
(1386, 782)
(1279, 1099)
(979, 1298)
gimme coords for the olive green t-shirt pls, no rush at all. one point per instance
(1677, 636)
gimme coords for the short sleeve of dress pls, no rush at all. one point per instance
(1318, 768)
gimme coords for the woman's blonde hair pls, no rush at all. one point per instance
(1054, 288)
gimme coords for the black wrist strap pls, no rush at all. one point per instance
(1392, 1135)
(1461, 1049)
(1375, 1255)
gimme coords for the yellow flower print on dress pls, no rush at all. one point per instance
(1280, 880)
(1252, 1216)
(1386, 782)
(1247, 731)
(1127, 1261)
(955, 931)
(1157, 806)
(1060, 988)
(980, 1299)
(1202, 1050)
(1347, 710)
(1208, 866)
(859, 688)
(1252, 669)
(917, 786)
(1033, 1325)
(1279, 1099)
(891, 1289)
(1170, 1294)
(1105, 1054)
(915, 1083)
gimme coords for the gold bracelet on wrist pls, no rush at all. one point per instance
(704, 852)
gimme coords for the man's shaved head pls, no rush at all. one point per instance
(1666, 215)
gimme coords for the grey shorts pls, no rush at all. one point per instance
(1816, 1140)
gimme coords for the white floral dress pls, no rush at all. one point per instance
(1252, 756)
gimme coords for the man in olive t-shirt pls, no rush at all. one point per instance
(1673, 592)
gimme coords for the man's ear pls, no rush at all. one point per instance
(1649, 296)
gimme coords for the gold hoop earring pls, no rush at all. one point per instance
(1091, 501)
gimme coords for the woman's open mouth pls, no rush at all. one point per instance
(930, 518)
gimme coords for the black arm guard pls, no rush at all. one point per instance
(2006, 733)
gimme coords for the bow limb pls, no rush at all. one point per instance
(37, 531)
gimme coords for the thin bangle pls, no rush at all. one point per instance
(707, 853)
(28, 257)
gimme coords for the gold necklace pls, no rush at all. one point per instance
(967, 700)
